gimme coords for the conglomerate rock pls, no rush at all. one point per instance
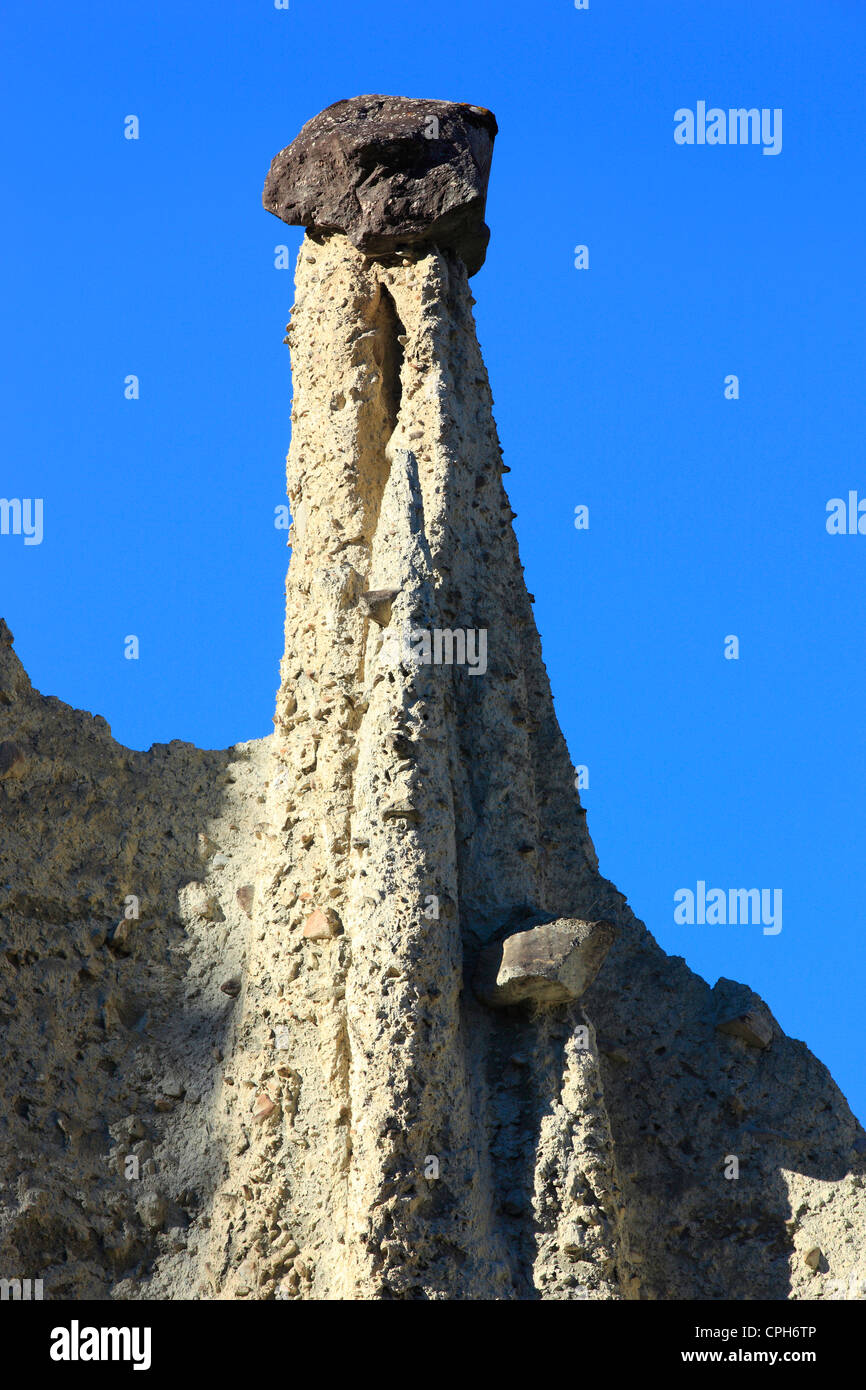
(243, 1054)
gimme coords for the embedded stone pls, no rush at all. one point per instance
(574, 1244)
(392, 174)
(377, 604)
(552, 963)
(741, 1013)
(152, 1210)
(323, 924)
(264, 1107)
(12, 760)
(197, 901)
(753, 1028)
(401, 810)
(122, 936)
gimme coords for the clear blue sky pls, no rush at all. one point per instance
(707, 516)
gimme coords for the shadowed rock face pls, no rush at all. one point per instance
(390, 173)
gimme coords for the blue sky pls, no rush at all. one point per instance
(707, 516)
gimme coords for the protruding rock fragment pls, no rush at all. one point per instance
(741, 1013)
(401, 810)
(264, 1107)
(752, 1027)
(812, 1257)
(206, 848)
(245, 896)
(153, 1210)
(232, 987)
(323, 924)
(121, 1010)
(377, 604)
(197, 901)
(574, 1245)
(552, 963)
(12, 760)
(123, 936)
(391, 173)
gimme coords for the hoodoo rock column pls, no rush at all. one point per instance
(381, 1029)
(422, 790)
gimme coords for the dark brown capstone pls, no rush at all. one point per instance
(392, 174)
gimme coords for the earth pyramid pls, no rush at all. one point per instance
(350, 1012)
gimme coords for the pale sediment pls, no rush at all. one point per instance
(287, 1037)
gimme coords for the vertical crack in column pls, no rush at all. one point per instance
(388, 355)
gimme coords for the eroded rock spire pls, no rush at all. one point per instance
(445, 1140)
(423, 790)
(350, 1012)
